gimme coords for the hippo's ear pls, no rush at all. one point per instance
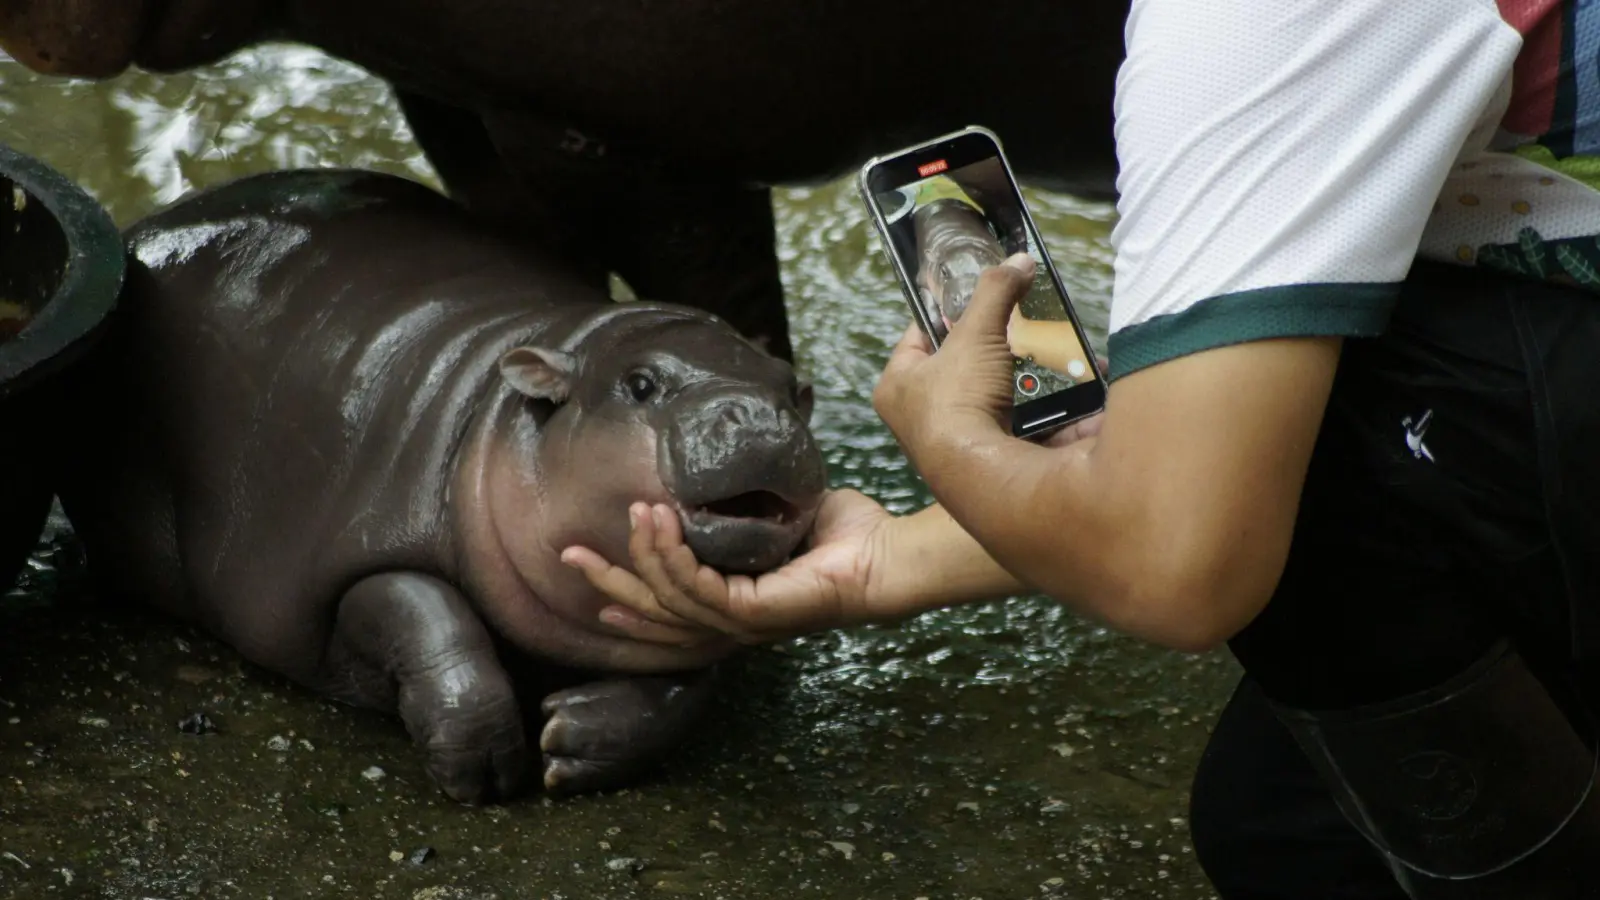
(539, 373)
(804, 400)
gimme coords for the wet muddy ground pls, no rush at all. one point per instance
(1007, 750)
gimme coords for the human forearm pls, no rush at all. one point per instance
(1043, 516)
(1173, 523)
(1034, 513)
(926, 561)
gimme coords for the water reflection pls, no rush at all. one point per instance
(951, 676)
(142, 140)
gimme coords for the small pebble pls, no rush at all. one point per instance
(968, 804)
(95, 722)
(198, 723)
(622, 864)
(373, 773)
(13, 721)
(844, 847)
(396, 856)
(279, 743)
(421, 855)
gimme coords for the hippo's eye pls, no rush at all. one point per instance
(944, 271)
(641, 386)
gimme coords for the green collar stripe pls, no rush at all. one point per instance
(1299, 310)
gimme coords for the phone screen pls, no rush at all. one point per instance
(949, 210)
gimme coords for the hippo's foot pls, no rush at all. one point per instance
(411, 642)
(606, 734)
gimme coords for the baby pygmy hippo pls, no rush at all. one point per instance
(348, 433)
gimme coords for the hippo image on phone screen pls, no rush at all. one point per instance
(955, 243)
(949, 228)
(348, 432)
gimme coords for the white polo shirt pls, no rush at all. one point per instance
(1283, 162)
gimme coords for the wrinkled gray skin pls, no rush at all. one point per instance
(642, 138)
(348, 433)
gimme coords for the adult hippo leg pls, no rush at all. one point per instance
(675, 237)
(605, 734)
(461, 152)
(711, 244)
(411, 641)
(474, 174)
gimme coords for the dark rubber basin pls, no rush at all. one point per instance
(61, 266)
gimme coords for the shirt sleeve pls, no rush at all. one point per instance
(1278, 162)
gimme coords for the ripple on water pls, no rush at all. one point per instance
(999, 750)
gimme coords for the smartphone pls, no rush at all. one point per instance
(947, 209)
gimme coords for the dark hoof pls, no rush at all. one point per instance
(605, 735)
(481, 769)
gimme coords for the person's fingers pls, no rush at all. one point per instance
(999, 290)
(644, 547)
(676, 576)
(628, 623)
(908, 353)
(912, 348)
(690, 577)
(622, 586)
(915, 339)
(1075, 432)
(1103, 364)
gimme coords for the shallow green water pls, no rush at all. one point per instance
(1006, 750)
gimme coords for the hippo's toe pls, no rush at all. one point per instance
(607, 734)
(481, 770)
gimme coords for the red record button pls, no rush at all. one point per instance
(1027, 384)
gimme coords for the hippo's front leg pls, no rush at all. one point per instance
(410, 641)
(605, 734)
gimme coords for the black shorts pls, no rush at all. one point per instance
(1453, 499)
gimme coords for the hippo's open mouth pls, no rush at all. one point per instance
(751, 532)
(762, 505)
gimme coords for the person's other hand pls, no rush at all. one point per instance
(674, 599)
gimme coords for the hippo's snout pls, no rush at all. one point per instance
(747, 476)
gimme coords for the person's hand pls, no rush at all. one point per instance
(966, 386)
(673, 599)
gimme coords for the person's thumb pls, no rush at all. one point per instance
(999, 290)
